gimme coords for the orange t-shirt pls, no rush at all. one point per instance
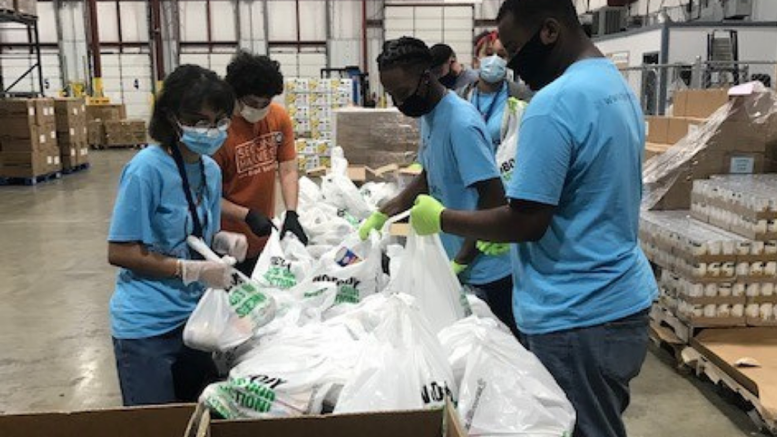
(249, 160)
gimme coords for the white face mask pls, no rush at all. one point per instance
(253, 115)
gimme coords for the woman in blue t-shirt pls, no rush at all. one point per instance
(167, 193)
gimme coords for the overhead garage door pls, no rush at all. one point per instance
(127, 79)
(451, 24)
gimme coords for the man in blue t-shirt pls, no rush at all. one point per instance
(458, 161)
(582, 285)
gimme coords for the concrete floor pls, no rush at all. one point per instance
(55, 284)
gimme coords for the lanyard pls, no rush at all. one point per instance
(198, 232)
(492, 106)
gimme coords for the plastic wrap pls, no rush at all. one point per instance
(738, 138)
(376, 137)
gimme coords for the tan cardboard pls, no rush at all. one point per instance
(679, 127)
(654, 149)
(656, 129)
(712, 322)
(701, 103)
(26, 7)
(18, 108)
(153, 421)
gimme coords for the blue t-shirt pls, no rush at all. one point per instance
(492, 107)
(151, 209)
(456, 154)
(580, 149)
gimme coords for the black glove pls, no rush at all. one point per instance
(260, 225)
(291, 224)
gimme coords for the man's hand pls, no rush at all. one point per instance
(458, 268)
(291, 224)
(426, 214)
(375, 221)
(493, 249)
(260, 225)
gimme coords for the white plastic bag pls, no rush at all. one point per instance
(503, 388)
(340, 191)
(293, 374)
(309, 193)
(505, 154)
(426, 274)
(214, 325)
(324, 225)
(375, 193)
(225, 319)
(282, 264)
(401, 367)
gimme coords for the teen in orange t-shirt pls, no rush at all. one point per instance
(260, 142)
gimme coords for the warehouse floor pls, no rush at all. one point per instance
(54, 334)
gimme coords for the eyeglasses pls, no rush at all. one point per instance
(204, 127)
(256, 103)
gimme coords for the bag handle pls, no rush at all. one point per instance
(200, 247)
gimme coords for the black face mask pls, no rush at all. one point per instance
(449, 80)
(416, 105)
(530, 63)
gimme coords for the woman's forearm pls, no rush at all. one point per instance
(137, 257)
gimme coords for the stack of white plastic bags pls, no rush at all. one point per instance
(338, 335)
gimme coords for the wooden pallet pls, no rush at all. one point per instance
(76, 168)
(30, 181)
(662, 317)
(704, 366)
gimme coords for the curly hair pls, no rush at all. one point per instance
(188, 89)
(403, 52)
(532, 11)
(257, 75)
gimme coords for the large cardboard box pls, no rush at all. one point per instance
(95, 132)
(44, 111)
(419, 423)
(656, 129)
(376, 137)
(70, 112)
(29, 164)
(112, 112)
(156, 421)
(18, 109)
(679, 127)
(27, 7)
(699, 103)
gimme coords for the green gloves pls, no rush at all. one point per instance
(375, 221)
(458, 268)
(493, 249)
(425, 215)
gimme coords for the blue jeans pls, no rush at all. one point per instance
(499, 297)
(161, 370)
(594, 367)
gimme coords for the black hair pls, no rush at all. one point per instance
(529, 11)
(188, 89)
(403, 52)
(441, 53)
(256, 75)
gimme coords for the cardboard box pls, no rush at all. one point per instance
(106, 112)
(25, 164)
(18, 109)
(699, 103)
(27, 7)
(44, 111)
(70, 112)
(376, 137)
(420, 423)
(656, 129)
(155, 421)
(679, 127)
(95, 133)
(654, 149)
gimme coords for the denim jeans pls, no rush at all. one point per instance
(594, 367)
(161, 370)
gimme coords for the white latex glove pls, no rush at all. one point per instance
(211, 273)
(232, 244)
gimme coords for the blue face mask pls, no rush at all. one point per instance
(203, 141)
(493, 69)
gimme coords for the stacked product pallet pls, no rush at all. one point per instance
(310, 103)
(28, 139)
(72, 132)
(717, 275)
(108, 126)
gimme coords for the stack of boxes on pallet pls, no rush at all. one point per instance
(310, 104)
(690, 110)
(72, 132)
(107, 126)
(28, 139)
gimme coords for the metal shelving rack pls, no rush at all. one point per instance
(31, 24)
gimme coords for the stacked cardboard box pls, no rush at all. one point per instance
(376, 137)
(310, 104)
(124, 132)
(741, 138)
(71, 131)
(710, 277)
(28, 140)
(97, 116)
